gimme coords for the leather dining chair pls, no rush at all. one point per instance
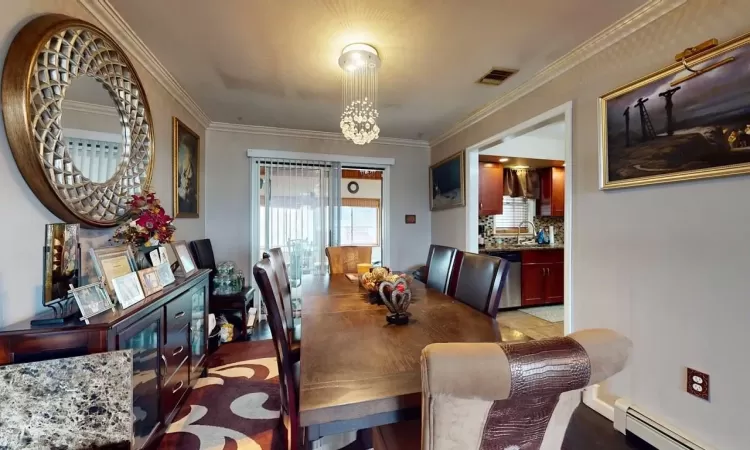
(203, 253)
(345, 259)
(439, 273)
(281, 276)
(288, 368)
(489, 396)
(480, 282)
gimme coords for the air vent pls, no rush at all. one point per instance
(496, 76)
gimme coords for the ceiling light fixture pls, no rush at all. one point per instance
(504, 160)
(359, 90)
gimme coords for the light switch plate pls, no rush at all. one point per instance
(697, 384)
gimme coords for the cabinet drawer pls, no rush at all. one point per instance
(542, 256)
(176, 347)
(178, 313)
(174, 388)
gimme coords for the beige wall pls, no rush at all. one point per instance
(665, 265)
(228, 192)
(24, 217)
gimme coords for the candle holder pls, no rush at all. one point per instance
(396, 297)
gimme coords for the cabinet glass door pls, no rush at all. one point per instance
(143, 339)
(198, 327)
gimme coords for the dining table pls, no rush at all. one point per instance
(356, 370)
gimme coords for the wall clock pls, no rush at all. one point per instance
(352, 187)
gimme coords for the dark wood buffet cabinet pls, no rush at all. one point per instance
(167, 333)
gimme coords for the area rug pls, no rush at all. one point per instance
(236, 407)
(553, 313)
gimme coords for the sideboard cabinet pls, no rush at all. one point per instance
(166, 332)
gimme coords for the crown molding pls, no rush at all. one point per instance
(113, 23)
(647, 13)
(307, 134)
(90, 108)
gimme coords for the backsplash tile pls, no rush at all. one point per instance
(489, 234)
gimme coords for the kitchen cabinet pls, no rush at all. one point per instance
(542, 277)
(490, 189)
(552, 192)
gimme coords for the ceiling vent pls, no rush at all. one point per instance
(496, 76)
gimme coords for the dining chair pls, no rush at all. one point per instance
(440, 273)
(489, 396)
(203, 253)
(276, 255)
(288, 368)
(480, 282)
(345, 259)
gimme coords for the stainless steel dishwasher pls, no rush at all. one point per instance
(511, 295)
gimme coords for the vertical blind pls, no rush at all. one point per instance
(97, 160)
(299, 212)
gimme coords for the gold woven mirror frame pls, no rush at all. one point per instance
(45, 56)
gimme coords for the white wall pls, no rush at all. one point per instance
(24, 217)
(530, 147)
(228, 192)
(648, 262)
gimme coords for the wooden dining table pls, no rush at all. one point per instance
(356, 370)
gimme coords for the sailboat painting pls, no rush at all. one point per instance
(676, 124)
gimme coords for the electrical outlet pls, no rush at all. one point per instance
(697, 383)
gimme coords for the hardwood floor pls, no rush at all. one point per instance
(531, 326)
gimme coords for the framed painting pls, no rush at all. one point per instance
(679, 124)
(185, 161)
(447, 183)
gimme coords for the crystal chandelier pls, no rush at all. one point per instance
(360, 63)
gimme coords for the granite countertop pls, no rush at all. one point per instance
(520, 248)
(81, 402)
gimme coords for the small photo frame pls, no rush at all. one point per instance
(112, 262)
(150, 281)
(410, 218)
(163, 257)
(128, 290)
(185, 259)
(166, 277)
(91, 299)
(154, 257)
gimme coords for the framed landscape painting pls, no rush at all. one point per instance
(447, 183)
(185, 148)
(677, 125)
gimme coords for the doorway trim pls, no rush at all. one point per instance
(472, 192)
(383, 164)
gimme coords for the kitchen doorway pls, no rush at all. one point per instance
(519, 182)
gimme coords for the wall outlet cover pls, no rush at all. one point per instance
(697, 384)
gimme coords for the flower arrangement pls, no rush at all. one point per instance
(149, 226)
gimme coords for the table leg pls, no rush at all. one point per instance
(244, 323)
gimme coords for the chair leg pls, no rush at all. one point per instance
(244, 323)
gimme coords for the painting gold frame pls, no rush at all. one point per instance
(176, 125)
(462, 157)
(712, 172)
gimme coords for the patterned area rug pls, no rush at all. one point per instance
(236, 407)
(553, 313)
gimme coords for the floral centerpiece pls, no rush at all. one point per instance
(149, 225)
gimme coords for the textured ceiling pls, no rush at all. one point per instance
(274, 62)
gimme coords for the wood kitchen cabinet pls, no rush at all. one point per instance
(490, 189)
(552, 192)
(542, 277)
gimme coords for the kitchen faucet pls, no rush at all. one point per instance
(518, 235)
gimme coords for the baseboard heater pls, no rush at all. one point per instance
(628, 418)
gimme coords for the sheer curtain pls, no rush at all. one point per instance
(299, 211)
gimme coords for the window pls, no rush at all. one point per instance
(515, 211)
(360, 221)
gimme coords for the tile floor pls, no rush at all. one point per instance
(535, 328)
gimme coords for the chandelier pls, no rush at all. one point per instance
(360, 63)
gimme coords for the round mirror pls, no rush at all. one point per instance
(77, 120)
(92, 129)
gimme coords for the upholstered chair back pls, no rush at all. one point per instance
(345, 259)
(441, 264)
(512, 396)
